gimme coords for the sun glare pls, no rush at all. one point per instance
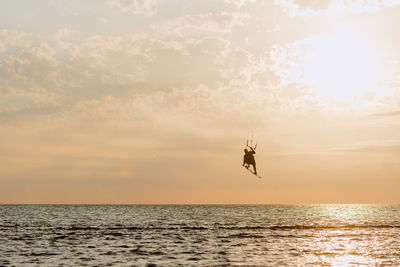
(343, 65)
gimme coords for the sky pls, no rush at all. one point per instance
(152, 101)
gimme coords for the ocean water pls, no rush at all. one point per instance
(199, 235)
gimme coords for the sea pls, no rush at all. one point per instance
(200, 235)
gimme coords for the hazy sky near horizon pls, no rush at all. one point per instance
(151, 101)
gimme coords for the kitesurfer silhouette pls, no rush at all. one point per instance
(248, 159)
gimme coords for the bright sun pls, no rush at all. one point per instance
(343, 65)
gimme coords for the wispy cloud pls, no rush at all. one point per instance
(13, 39)
(373, 147)
(386, 114)
(208, 23)
(333, 7)
(240, 3)
(137, 7)
(28, 112)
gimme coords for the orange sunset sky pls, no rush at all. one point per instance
(151, 101)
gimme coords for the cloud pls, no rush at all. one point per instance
(286, 62)
(137, 7)
(374, 147)
(286, 65)
(209, 23)
(386, 114)
(146, 71)
(240, 3)
(14, 39)
(63, 37)
(27, 112)
(333, 7)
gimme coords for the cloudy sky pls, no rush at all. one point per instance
(151, 101)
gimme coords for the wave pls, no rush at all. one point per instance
(233, 228)
(323, 227)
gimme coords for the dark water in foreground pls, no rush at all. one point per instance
(190, 235)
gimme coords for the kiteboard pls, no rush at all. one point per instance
(247, 167)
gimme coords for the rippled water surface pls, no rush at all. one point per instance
(199, 235)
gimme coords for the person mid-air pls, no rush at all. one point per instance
(248, 159)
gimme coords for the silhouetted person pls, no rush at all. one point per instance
(248, 159)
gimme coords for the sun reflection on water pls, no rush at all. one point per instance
(342, 236)
(346, 211)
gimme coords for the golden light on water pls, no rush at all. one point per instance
(346, 245)
(345, 212)
(340, 248)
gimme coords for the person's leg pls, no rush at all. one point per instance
(254, 167)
